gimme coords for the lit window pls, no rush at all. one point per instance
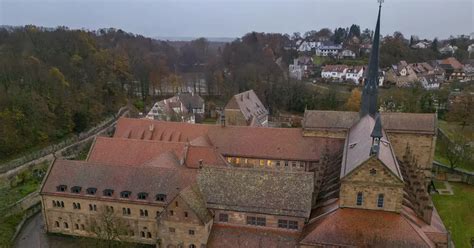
(380, 201)
(359, 199)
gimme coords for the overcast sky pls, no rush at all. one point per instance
(234, 18)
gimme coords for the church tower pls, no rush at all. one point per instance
(370, 91)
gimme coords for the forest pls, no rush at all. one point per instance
(55, 82)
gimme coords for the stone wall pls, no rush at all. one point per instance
(234, 117)
(422, 146)
(325, 133)
(84, 217)
(240, 219)
(179, 225)
(263, 163)
(371, 185)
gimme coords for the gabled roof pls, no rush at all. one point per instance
(250, 106)
(358, 146)
(335, 68)
(191, 100)
(258, 191)
(193, 198)
(131, 152)
(149, 179)
(392, 122)
(239, 141)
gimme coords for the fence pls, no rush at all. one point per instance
(445, 172)
(56, 147)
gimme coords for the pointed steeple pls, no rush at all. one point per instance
(376, 135)
(370, 91)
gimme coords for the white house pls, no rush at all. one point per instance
(430, 82)
(184, 107)
(334, 72)
(448, 49)
(356, 74)
(328, 50)
(295, 70)
(346, 53)
(421, 45)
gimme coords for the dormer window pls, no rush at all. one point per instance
(91, 191)
(125, 194)
(61, 188)
(76, 189)
(108, 192)
(142, 195)
(161, 197)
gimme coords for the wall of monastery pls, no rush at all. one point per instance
(240, 219)
(338, 134)
(422, 146)
(80, 221)
(371, 185)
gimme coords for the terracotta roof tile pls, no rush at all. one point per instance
(363, 228)
(252, 142)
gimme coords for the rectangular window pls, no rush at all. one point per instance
(278, 163)
(223, 217)
(359, 199)
(256, 221)
(286, 163)
(293, 225)
(282, 223)
(380, 201)
(172, 230)
(186, 214)
(191, 232)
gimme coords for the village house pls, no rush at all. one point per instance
(185, 107)
(246, 109)
(328, 49)
(356, 74)
(448, 50)
(453, 69)
(346, 53)
(343, 179)
(301, 67)
(401, 75)
(421, 45)
(334, 72)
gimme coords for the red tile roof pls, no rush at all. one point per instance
(252, 142)
(131, 152)
(364, 228)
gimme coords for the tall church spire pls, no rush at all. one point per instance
(369, 93)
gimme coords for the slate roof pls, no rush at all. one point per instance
(364, 228)
(392, 122)
(193, 198)
(335, 68)
(239, 141)
(149, 179)
(250, 105)
(193, 100)
(358, 146)
(258, 191)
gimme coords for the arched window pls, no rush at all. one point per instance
(360, 198)
(192, 246)
(142, 233)
(56, 223)
(380, 201)
(66, 225)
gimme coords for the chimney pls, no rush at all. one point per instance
(222, 119)
(200, 163)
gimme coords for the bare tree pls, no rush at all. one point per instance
(456, 151)
(110, 230)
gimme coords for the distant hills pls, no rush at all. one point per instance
(211, 39)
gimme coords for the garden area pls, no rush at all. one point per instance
(456, 212)
(11, 192)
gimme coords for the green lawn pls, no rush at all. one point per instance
(440, 158)
(209, 121)
(457, 213)
(439, 185)
(452, 128)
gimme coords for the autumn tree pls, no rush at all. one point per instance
(353, 102)
(461, 110)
